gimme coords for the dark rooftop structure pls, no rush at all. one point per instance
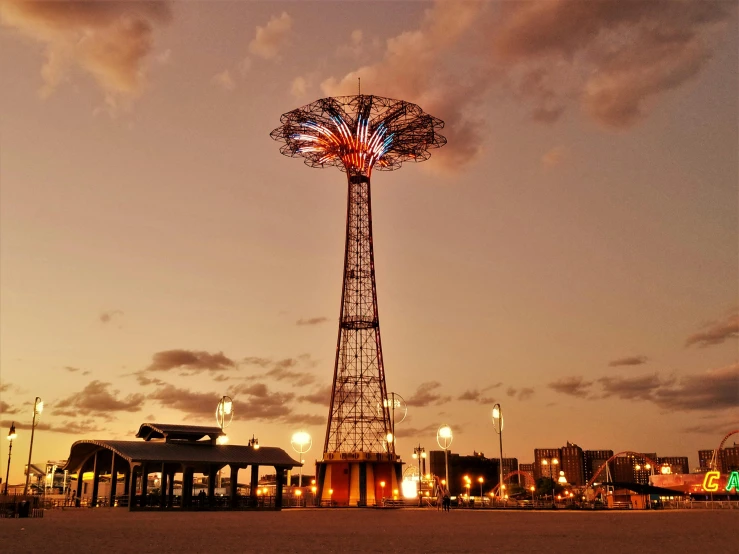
(175, 449)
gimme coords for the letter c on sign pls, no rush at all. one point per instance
(709, 481)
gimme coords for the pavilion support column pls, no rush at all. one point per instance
(113, 481)
(254, 485)
(279, 483)
(95, 480)
(127, 484)
(187, 477)
(170, 488)
(78, 497)
(163, 488)
(131, 486)
(234, 485)
(144, 483)
(211, 485)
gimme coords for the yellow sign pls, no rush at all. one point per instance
(709, 481)
(710, 484)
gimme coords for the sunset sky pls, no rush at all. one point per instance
(572, 253)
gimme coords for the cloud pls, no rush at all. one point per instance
(107, 316)
(402, 431)
(272, 38)
(98, 399)
(251, 402)
(254, 360)
(469, 395)
(554, 157)
(312, 321)
(320, 396)
(304, 419)
(711, 390)
(415, 67)
(631, 388)
(6, 408)
(572, 386)
(629, 360)
(76, 369)
(716, 332)
(427, 394)
(525, 393)
(67, 427)
(224, 80)
(615, 56)
(297, 378)
(107, 40)
(298, 89)
(196, 361)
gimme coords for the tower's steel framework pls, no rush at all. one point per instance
(358, 134)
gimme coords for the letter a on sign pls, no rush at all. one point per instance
(733, 481)
(709, 481)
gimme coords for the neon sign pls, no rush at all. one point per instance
(710, 484)
(733, 481)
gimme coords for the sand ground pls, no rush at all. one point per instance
(105, 530)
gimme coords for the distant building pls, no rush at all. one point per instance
(573, 464)
(526, 482)
(704, 459)
(474, 467)
(594, 460)
(509, 466)
(548, 455)
(727, 459)
(677, 464)
(632, 468)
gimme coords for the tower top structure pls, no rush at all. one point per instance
(359, 133)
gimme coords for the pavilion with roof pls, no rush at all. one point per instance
(176, 449)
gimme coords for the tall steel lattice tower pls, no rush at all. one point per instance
(358, 134)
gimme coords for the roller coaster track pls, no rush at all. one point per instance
(714, 458)
(625, 452)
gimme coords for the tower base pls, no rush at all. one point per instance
(357, 480)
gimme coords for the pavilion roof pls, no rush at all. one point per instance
(193, 453)
(170, 431)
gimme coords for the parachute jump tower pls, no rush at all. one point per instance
(357, 134)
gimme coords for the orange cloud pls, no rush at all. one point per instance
(109, 40)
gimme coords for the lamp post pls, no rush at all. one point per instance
(418, 453)
(444, 439)
(224, 417)
(11, 437)
(38, 407)
(498, 426)
(480, 480)
(254, 442)
(301, 443)
(551, 462)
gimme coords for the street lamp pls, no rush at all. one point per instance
(444, 439)
(480, 480)
(418, 453)
(38, 407)
(224, 417)
(254, 442)
(11, 437)
(301, 443)
(498, 426)
(551, 462)
(224, 412)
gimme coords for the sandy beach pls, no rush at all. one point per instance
(372, 530)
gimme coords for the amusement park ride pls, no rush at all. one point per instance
(357, 134)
